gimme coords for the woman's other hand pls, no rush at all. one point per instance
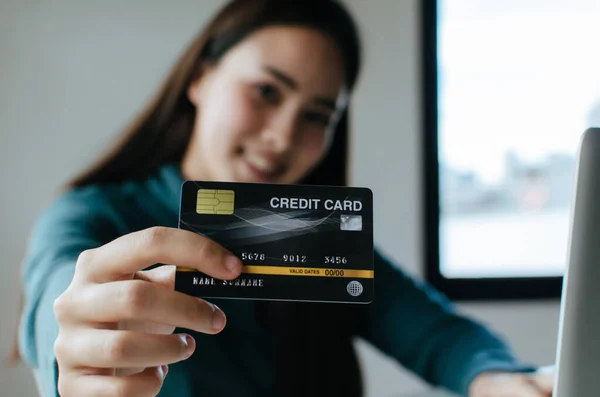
(116, 321)
(536, 384)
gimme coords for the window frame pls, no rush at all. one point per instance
(463, 289)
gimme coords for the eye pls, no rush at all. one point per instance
(268, 93)
(318, 118)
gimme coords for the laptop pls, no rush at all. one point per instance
(578, 348)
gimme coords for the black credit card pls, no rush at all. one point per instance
(297, 242)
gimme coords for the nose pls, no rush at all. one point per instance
(280, 133)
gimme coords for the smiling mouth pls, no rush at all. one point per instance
(262, 168)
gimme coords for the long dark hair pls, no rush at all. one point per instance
(308, 339)
(162, 131)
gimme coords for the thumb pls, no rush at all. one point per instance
(544, 378)
(163, 275)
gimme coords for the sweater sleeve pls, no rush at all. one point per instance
(416, 325)
(73, 223)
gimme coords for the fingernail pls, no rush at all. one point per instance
(190, 345)
(218, 318)
(232, 263)
(165, 370)
(211, 305)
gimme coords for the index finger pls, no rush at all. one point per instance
(122, 257)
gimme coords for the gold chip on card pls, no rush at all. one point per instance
(217, 202)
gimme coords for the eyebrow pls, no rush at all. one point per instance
(293, 85)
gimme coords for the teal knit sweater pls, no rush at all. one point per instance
(408, 320)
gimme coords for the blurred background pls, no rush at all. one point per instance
(518, 85)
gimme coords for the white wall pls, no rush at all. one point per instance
(71, 73)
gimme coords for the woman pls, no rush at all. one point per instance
(261, 95)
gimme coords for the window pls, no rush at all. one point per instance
(509, 87)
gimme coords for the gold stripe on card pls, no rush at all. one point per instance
(185, 269)
(299, 271)
(308, 271)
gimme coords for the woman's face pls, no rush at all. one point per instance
(266, 112)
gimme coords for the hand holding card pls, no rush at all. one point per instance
(297, 242)
(117, 319)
